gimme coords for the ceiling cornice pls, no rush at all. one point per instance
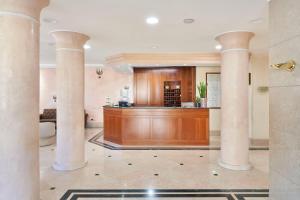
(164, 59)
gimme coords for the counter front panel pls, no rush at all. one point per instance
(156, 126)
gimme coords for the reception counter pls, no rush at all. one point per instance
(156, 125)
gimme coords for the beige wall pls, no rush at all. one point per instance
(215, 114)
(259, 98)
(47, 88)
(259, 101)
(284, 101)
(96, 90)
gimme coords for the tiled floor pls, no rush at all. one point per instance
(118, 170)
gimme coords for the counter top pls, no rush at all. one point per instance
(152, 107)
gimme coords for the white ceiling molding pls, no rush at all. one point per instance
(51, 66)
(163, 59)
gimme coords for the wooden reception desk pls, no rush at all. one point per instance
(156, 126)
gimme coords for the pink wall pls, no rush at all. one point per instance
(47, 88)
(96, 90)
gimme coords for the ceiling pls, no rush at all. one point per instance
(118, 26)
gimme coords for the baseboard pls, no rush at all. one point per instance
(94, 124)
(259, 142)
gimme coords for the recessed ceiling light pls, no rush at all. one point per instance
(188, 21)
(86, 46)
(50, 20)
(218, 47)
(154, 47)
(152, 20)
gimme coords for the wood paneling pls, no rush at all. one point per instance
(156, 126)
(149, 83)
(156, 88)
(142, 87)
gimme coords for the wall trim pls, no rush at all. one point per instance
(53, 65)
(69, 49)
(237, 49)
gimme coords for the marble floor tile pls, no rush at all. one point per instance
(149, 169)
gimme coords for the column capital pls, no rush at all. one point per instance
(23, 8)
(235, 40)
(69, 39)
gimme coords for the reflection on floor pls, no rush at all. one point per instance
(214, 144)
(137, 174)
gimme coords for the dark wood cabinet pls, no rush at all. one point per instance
(149, 84)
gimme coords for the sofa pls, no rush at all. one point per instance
(49, 115)
(47, 133)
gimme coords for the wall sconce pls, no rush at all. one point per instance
(54, 98)
(99, 72)
(288, 66)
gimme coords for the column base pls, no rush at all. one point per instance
(234, 167)
(68, 167)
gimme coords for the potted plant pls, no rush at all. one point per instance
(197, 102)
(202, 95)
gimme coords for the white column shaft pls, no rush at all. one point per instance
(19, 99)
(70, 152)
(234, 100)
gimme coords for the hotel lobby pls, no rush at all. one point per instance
(146, 100)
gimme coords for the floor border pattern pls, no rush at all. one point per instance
(239, 194)
(94, 140)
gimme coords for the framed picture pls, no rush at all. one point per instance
(213, 93)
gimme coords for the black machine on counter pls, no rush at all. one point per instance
(123, 104)
(124, 97)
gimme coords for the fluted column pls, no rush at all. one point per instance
(234, 100)
(70, 153)
(19, 98)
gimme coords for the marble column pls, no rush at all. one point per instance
(70, 151)
(19, 98)
(234, 100)
(284, 94)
